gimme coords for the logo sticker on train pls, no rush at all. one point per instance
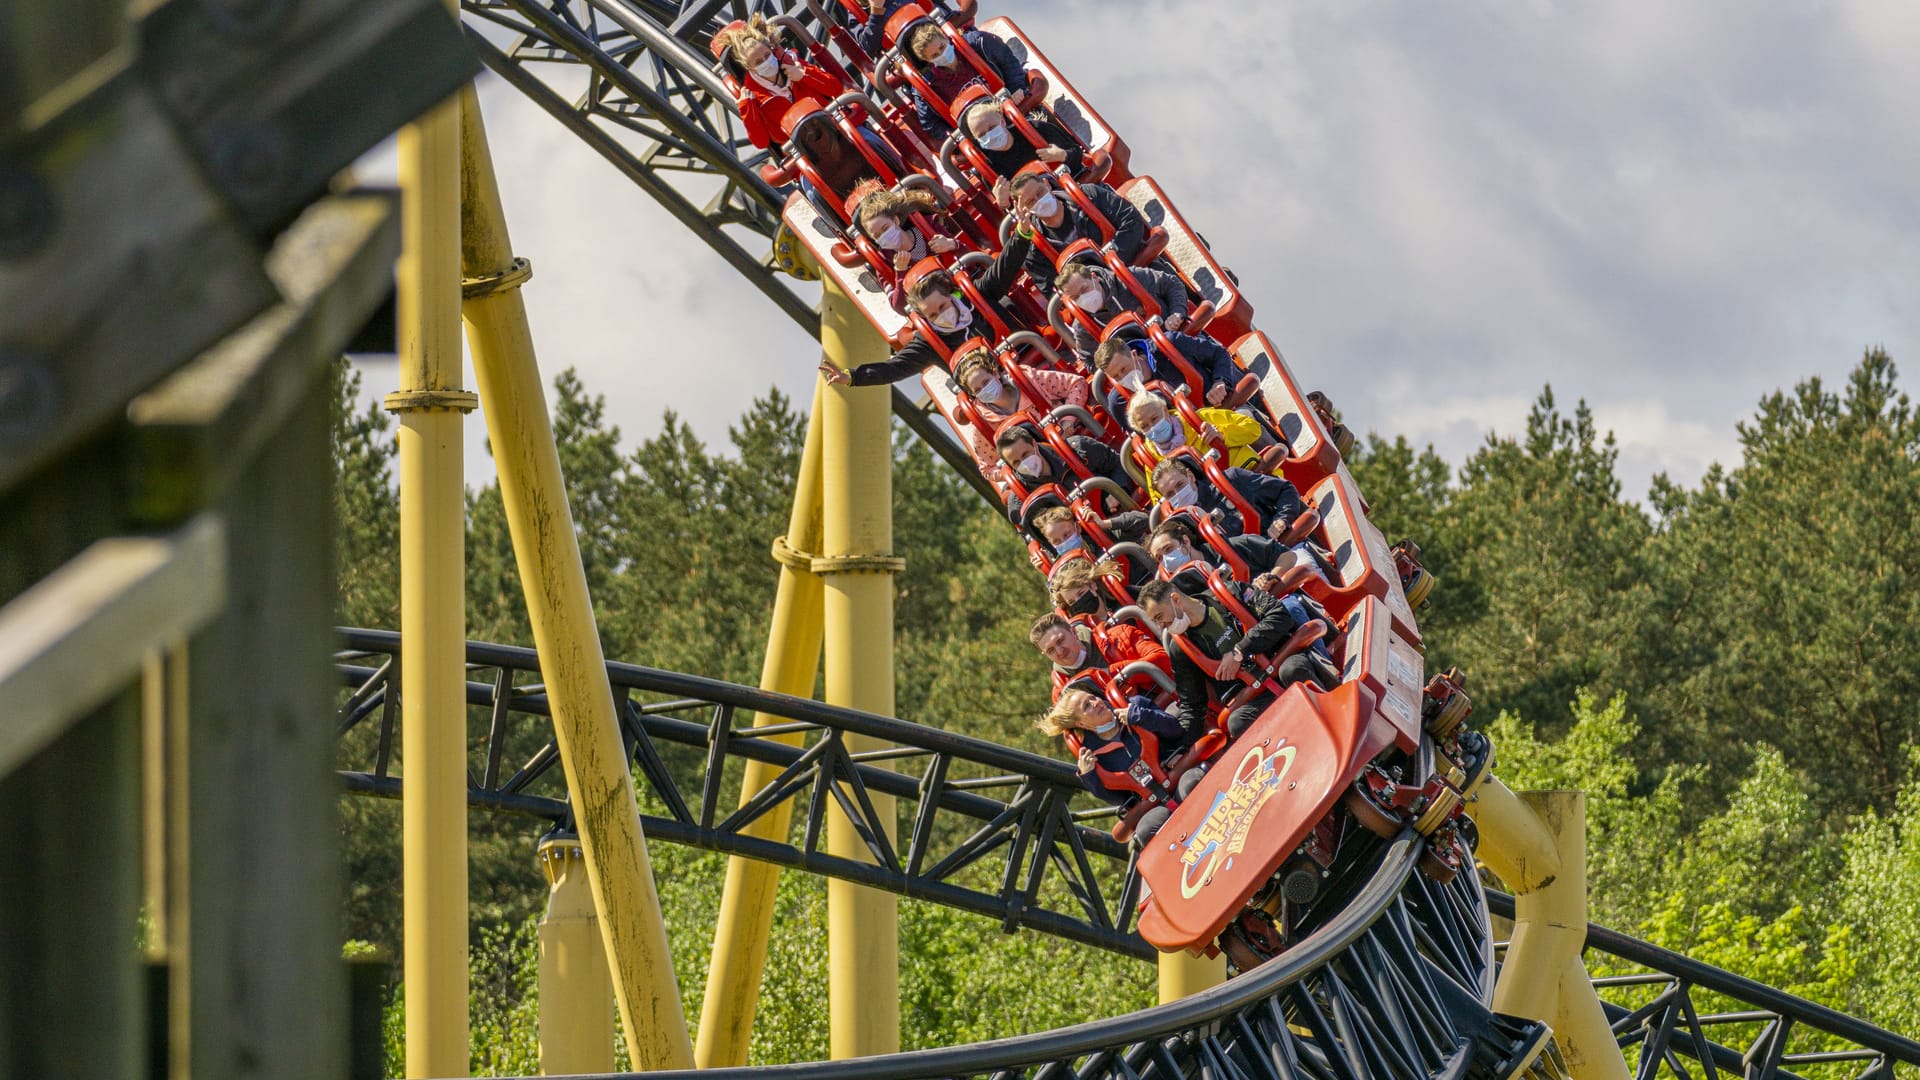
(1222, 834)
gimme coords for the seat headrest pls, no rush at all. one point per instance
(799, 113)
(900, 21)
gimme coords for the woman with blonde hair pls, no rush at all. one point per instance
(771, 79)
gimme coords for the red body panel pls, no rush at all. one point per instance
(1314, 457)
(1259, 800)
(1232, 312)
(1075, 113)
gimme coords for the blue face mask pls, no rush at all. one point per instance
(947, 56)
(1071, 543)
(1162, 432)
(1108, 731)
(1173, 560)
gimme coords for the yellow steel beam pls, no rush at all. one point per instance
(560, 610)
(1183, 974)
(1536, 842)
(863, 939)
(792, 661)
(576, 993)
(433, 624)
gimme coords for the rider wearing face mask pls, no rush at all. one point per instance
(771, 79)
(1102, 297)
(1007, 151)
(1132, 750)
(1131, 362)
(937, 298)
(1177, 547)
(1217, 636)
(948, 73)
(1036, 466)
(885, 216)
(997, 398)
(1164, 431)
(1273, 499)
(1062, 220)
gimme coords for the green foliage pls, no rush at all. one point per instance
(1729, 671)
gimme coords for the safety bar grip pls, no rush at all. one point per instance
(1103, 484)
(1151, 671)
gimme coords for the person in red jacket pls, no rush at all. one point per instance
(772, 80)
(1075, 649)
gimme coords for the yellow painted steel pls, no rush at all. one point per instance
(1184, 974)
(433, 726)
(792, 661)
(576, 992)
(1536, 842)
(560, 611)
(863, 939)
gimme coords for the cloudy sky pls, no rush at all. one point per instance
(1667, 210)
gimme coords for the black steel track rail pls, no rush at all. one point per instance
(1370, 994)
(651, 108)
(1670, 1012)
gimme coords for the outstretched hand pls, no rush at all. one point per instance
(834, 375)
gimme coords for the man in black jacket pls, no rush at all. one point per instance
(1217, 635)
(938, 300)
(1060, 221)
(1274, 500)
(1037, 465)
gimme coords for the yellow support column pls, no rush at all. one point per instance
(1537, 843)
(433, 622)
(863, 938)
(1183, 974)
(793, 657)
(576, 993)
(547, 552)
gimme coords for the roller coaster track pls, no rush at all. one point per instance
(1396, 978)
(1396, 982)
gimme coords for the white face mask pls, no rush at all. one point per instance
(1133, 381)
(1179, 623)
(958, 316)
(1046, 205)
(1183, 498)
(997, 139)
(894, 239)
(1091, 298)
(948, 57)
(990, 390)
(768, 68)
(1031, 465)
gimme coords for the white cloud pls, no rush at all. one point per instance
(1667, 210)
